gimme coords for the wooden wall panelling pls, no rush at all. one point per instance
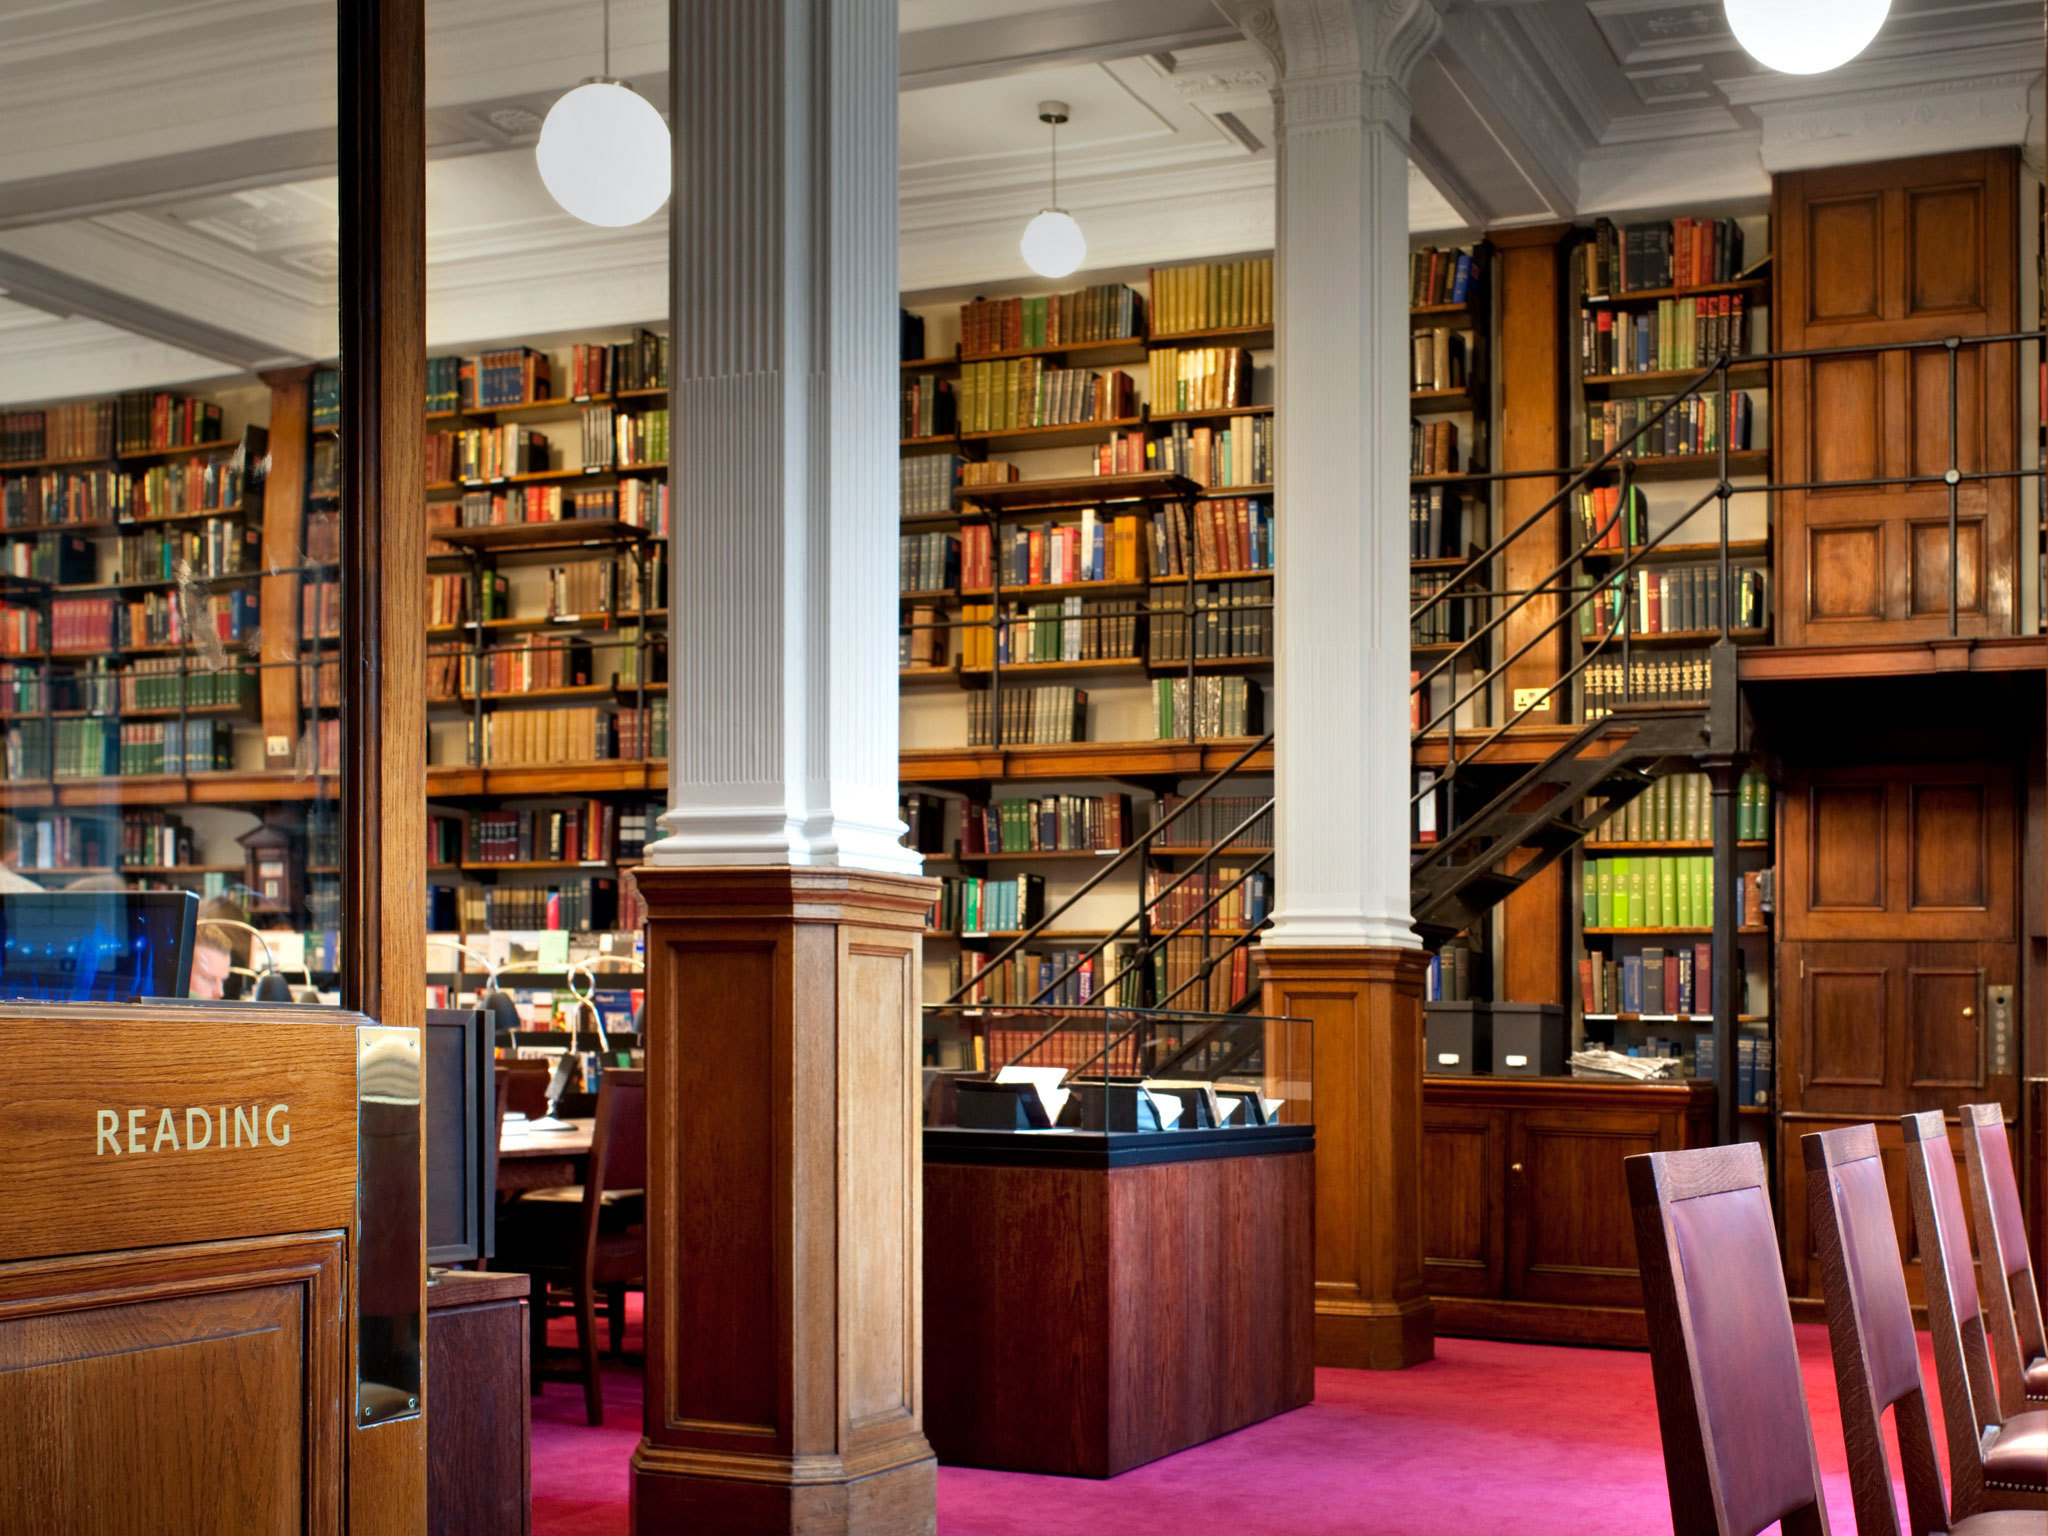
(1464, 1220)
(1534, 431)
(381, 84)
(284, 522)
(1908, 250)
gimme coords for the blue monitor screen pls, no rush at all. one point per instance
(95, 946)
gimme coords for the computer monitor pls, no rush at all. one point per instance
(462, 1137)
(96, 946)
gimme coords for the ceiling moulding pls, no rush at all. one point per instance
(1104, 29)
(1138, 233)
(1711, 169)
(64, 294)
(1657, 31)
(277, 310)
(1438, 199)
(1487, 60)
(1977, 113)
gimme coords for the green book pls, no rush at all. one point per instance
(1745, 805)
(1760, 818)
(1603, 900)
(1667, 877)
(1683, 895)
(1653, 902)
(1663, 831)
(1692, 808)
(1632, 820)
(1589, 895)
(1707, 886)
(1638, 896)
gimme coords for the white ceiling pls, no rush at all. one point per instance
(166, 166)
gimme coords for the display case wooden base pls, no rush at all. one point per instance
(1373, 1309)
(784, 1375)
(1102, 1300)
(181, 1275)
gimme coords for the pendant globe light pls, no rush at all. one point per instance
(1805, 37)
(1053, 244)
(604, 150)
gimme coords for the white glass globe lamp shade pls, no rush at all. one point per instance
(604, 154)
(1805, 37)
(1053, 244)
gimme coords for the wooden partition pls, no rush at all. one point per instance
(179, 1273)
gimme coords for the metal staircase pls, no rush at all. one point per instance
(1548, 811)
(1539, 815)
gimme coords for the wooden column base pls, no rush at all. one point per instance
(747, 1495)
(784, 1206)
(1373, 1310)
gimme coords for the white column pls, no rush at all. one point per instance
(783, 599)
(1342, 752)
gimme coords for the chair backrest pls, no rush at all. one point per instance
(618, 1142)
(1969, 1401)
(1738, 1446)
(1870, 1331)
(2012, 1300)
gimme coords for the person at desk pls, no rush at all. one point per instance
(214, 956)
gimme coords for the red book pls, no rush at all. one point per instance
(1588, 998)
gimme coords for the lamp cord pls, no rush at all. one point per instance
(607, 39)
(1055, 158)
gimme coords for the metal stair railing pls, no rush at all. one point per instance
(1143, 843)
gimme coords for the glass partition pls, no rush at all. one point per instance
(1109, 1069)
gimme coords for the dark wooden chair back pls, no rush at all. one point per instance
(2012, 1298)
(1987, 1468)
(1738, 1446)
(618, 1147)
(1870, 1330)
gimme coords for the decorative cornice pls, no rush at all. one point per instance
(1973, 113)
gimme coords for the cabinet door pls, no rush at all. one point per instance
(1464, 1158)
(1571, 1235)
(218, 1368)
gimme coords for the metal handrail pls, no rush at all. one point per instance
(1142, 843)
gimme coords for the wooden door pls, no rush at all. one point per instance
(1899, 251)
(1571, 1233)
(1898, 897)
(1464, 1164)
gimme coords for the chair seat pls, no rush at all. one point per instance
(2034, 1379)
(2018, 1458)
(572, 1194)
(1998, 1522)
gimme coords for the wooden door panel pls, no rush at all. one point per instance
(1463, 1165)
(1904, 251)
(1570, 1232)
(1846, 440)
(1847, 1017)
(1944, 1026)
(1944, 268)
(1914, 852)
(1844, 249)
(218, 1368)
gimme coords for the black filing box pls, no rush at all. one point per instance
(1528, 1040)
(1457, 1039)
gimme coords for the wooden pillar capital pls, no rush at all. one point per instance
(784, 1212)
(1365, 1004)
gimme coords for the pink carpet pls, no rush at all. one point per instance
(1526, 1438)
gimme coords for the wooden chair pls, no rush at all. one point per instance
(1994, 1461)
(1877, 1354)
(1738, 1446)
(2013, 1300)
(589, 1238)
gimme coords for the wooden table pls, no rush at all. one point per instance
(529, 1159)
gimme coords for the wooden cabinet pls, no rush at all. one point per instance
(479, 1408)
(1527, 1232)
